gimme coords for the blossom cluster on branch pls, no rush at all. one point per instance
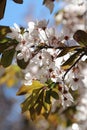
(53, 61)
(53, 66)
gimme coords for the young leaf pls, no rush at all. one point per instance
(38, 108)
(4, 30)
(18, 1)
(36, 85)
(25, 104)
(23, 90)
(39, 102)
(65, 50)
(81, 37)
(29, 89)
(7, 57)
(33, 114)
(52, 85)
(30, 101)
(2, 8)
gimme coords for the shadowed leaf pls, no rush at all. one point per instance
(2, 8)
(81, 37)
(54, 95)
(7, 57)
(6, 44)
(70, 60)
(18, 1)
(22, 64)
(48, 97)
(30, 88)
(38, 108)
(4, 30)
(65, 50)
(30, 101)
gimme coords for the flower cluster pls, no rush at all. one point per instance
(72, 16)
(33, 47)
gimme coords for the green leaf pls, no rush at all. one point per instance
(81, 37)
(53, 85)
(4, 30)
(39, 103)
(4, 40)
(30, 101)
(47, 97)
(2, 8)
(33, 113)
(7, 57)
(66, 50)
(25, 104)
(5, 43)
(23, 90)
(46, 106)
(18, 1)
(35, 104)
(22, 64)
(71, 60)
(50, 84)
(38, 108)
(54, 95)
(36, 85)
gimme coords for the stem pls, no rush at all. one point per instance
(72, 66)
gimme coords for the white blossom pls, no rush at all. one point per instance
(16, 32)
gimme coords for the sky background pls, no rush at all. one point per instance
(28, 11)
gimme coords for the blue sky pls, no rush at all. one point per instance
(28, 11)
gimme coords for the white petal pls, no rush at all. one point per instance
(74, 87)
(17, 27)
(29, 82)
(42, 35)
(50, 32)
(19, 47)
(28, 76)
(20, 56)
(31, 25)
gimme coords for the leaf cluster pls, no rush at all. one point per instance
(7, 47)
(39, 97)
(77, 52)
